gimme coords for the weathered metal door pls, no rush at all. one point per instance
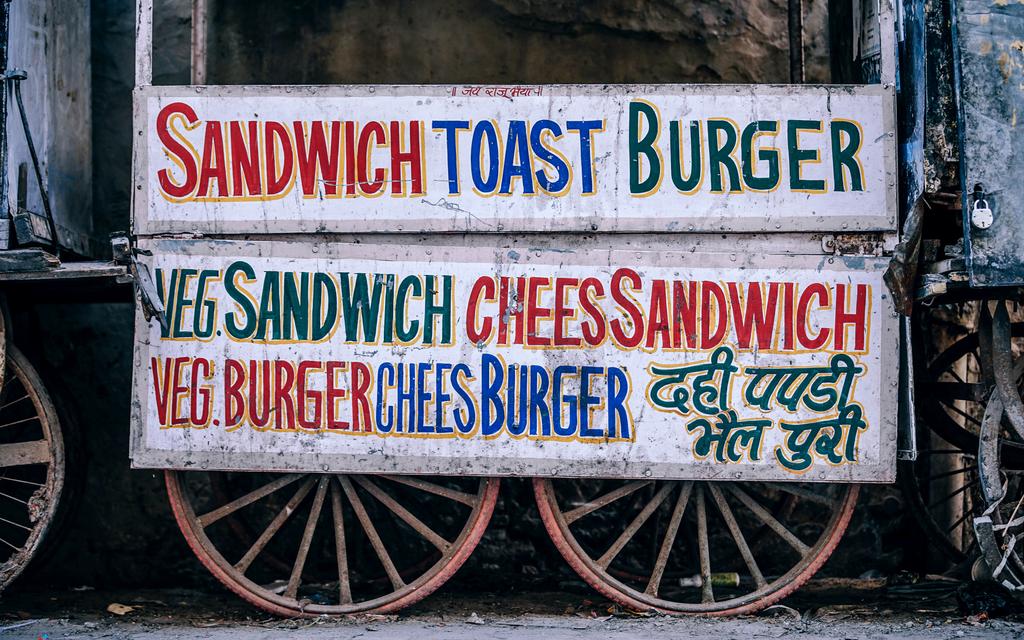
(45, 42)
(989, 62)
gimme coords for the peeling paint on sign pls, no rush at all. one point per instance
(491, 159)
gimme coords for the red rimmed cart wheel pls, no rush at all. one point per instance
(356, 543)
(32, 465)
(688, 547)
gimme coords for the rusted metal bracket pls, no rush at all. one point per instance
(901, 275)
(941, 277)
(145, 289)
(856, 244)
(1002, 366)
(25, 225)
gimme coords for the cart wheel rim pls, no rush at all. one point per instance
(325, 494)
(31, 465)
(998, 540)
(943, 388)
(941, 483)
(702, 496)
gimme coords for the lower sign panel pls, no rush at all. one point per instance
(498, 361)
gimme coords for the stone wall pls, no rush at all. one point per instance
(510, 41)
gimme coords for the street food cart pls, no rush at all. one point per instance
(368, 304)
(694, 315)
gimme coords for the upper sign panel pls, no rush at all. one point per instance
(514, 158)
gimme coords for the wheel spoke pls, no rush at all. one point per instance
(14, 402)
(24, 453)
(959, 521)
(209, 518)
(670, 537)
(403, 513)
(954, 472)
(10, 545)
(737, 536)
(966, 486)
(15, 524)
(467, 499)
(608, 498)
(371, 532)
(257, 547)
(10, 497)
(307, 538)
(20, 481)
(960, 412)
(764, 516)
(707, 593)
(17, 422)
(344, 588)
(800, 492)
(969, 391)
(634, 526)
(952, 371)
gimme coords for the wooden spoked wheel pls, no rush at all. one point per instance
(954, 391)
(32, 465)
(941, 485)
(314, 544)
(686, 547)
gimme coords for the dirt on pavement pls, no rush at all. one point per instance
(834, 609)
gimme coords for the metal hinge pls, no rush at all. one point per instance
(145, 288)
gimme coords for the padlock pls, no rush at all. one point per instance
(981, 215)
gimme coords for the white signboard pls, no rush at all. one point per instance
(498, 361)
(511, 158)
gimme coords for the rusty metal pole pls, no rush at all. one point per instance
(4, 209)
(199, 9)
(796, 42)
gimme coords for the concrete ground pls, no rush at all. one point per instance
(838, 610)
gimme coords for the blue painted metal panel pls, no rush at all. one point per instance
(989, 41)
